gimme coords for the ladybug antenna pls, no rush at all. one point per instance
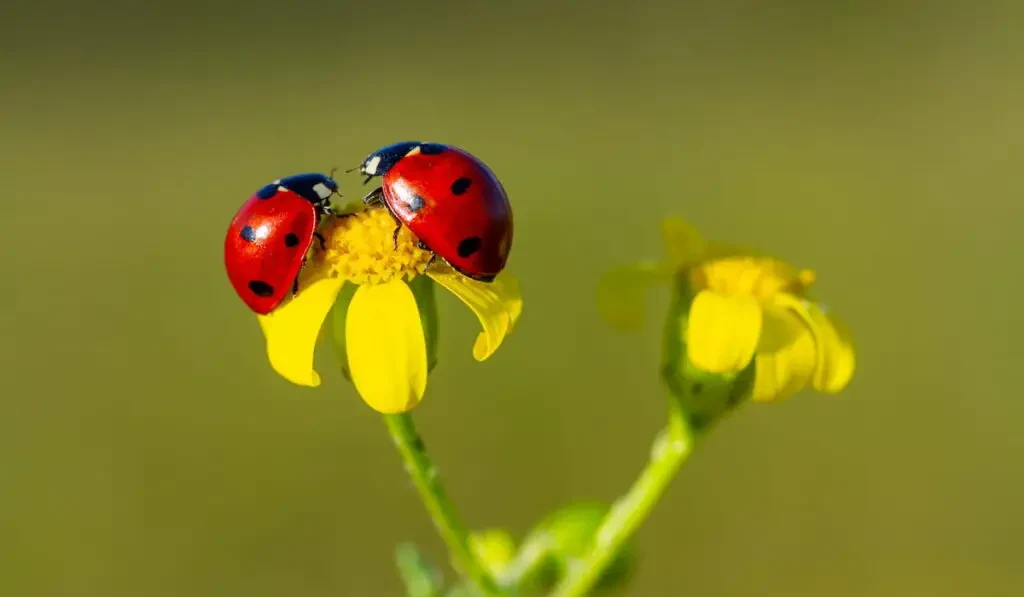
(333, 170)
(351, 170)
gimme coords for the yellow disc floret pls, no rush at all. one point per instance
(361, 248)
(760, 277)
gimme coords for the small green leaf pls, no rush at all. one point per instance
(420, 577)
(338, 315)
(423, 290)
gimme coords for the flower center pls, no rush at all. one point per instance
(760, 277)
(362, 248)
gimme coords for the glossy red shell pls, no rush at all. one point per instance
(453, 203)
(266, 245)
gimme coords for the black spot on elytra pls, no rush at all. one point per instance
(461, 185)
(291, 239)
(468, 246)
(261, 288)
(248, 233)
(416, 203)
(431, 148)
(267, 192)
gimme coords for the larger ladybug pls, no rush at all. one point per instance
(449, 199)
(270, 236)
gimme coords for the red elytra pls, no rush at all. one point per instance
(266, 246)
(450, 200)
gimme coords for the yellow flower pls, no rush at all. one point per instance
(384, 321)
(738, 307)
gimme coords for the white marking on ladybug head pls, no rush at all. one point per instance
(321, 190)
(278, 181)
(371, 165)
(412, 151)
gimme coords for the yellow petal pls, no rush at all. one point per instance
(497, 305)
(786, 355)
(836, 355)
(508, 290)
(387, 352)
(683, 242)
(722, 331)
(622, 293)
(292, 329)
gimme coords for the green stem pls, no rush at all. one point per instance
(428, 483)
(672, 446)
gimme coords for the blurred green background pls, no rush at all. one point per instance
(147, 449)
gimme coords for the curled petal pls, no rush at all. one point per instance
(497, 305)
(385, 346)
(292, 329)
(836, 358)
(722, 331)
(786, 355)
(622, 293)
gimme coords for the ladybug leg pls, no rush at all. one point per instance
(397, 231)
(320, 239)
(295, 286)
(374, 197)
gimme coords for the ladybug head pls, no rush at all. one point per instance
(313, 187)
(379, 162)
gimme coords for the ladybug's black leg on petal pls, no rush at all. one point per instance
(374, 197)
(295, 286)
(320, 238)
(397, 231)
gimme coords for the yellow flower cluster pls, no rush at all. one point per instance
(368, 247)
(743, 307)
(380, 329)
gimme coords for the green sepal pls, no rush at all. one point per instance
(704, 397)
(423, 291)
(338, 315)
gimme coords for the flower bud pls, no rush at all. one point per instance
(703, 395)
(494, 548)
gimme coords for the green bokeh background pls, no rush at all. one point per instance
(148, 450)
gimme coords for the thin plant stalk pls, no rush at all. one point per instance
(424, 476)
(671, 448)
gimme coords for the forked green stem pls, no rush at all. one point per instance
(672, 446)
(428, 483)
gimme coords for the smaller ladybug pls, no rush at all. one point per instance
(449, 199)
(269, 238)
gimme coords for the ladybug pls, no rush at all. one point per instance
(449, 199)
(270, 236)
